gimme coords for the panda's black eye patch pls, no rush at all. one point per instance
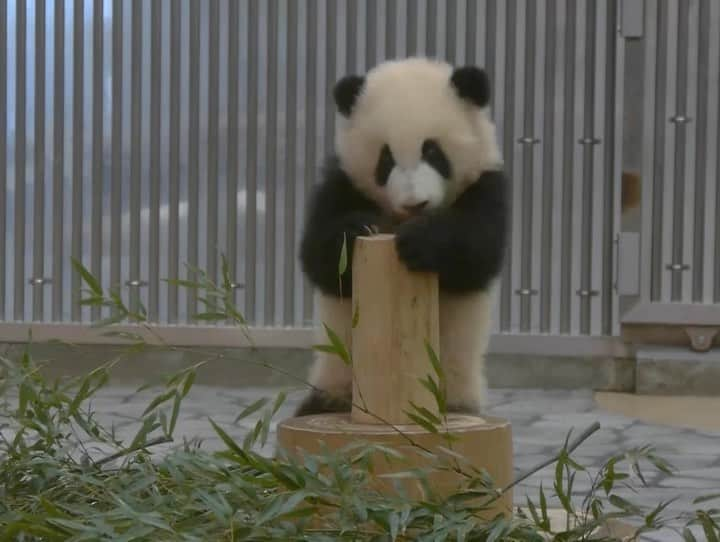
(434, 156)
(384, 167)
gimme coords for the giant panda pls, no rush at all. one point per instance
(416, 155)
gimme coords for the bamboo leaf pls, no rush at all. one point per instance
(251, 409)
(337, 343)
(343, 263)
(88, 277)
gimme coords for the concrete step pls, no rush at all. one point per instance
(667, 370)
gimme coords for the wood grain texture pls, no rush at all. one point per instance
(485, 443)
(396, 314)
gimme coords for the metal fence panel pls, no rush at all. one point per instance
(141, 136)
(679, 171)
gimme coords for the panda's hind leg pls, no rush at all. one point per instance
(330, 377)
(331, 380)
(464, 338)
(321, 402)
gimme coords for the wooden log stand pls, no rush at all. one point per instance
(397, 312)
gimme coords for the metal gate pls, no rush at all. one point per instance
(140, 136)
(674, 116)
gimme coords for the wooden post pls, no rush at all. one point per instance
(396, 315)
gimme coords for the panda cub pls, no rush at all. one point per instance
(416, 155)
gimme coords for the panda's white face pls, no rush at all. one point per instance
(415, 191)
(418, 188)
(409, 140)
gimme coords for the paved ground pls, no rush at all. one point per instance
(540, 422)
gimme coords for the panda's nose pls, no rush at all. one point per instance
(416, 207)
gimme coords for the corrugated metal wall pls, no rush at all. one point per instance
(139, 136)
(681, 119)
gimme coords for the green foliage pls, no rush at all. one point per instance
(66, 476)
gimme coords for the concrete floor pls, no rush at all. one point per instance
(684, 430)
(686, 412)
(540, 421)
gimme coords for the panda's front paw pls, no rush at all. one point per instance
(358, 225)
(415, 247)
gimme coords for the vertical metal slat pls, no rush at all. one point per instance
(611, 162)
(537, 170)
(680, 73)
(371, 35)
(232, 138)
(670, 279)
(649, 287)
(411, 33)
(514, 132)
(602, 81)
(501, 43)
(549, 211)
(568, 170)
(3, 156)
(525, 143)
(577, 133)
(451, 28)
(97, 149)
(116, 145)
(692, 279)
(39, 182)
(135, 155)
(271, 160)
(711, 217)
(330, 73)
(701, 157)
(471, 31)
(390, 29)
(58, 161)
(310, 127)
(193, 150)
(155, 156)
(587, 152)
(212, 140)
(174, 161)
(290, 164)
(77, 157)
(617, 95)
(559, 160)
(351, 23)
(431, 16)
(251, 164)
(20, 139)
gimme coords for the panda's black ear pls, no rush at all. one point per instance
(472, 84)
(346, 92)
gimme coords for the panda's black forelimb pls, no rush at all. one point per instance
(464, 243)
(337, 214)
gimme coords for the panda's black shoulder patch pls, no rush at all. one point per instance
(473, 84)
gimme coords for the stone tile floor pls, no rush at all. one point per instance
(540, 421)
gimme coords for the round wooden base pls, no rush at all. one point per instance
(483, 442)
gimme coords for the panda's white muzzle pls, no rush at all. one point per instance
(414, 191)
